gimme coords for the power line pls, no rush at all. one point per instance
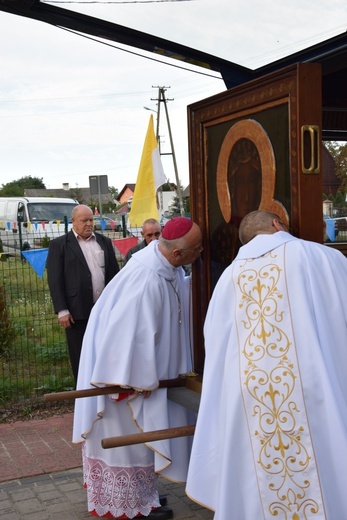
(75, 98)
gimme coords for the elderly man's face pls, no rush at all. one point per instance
(83, 222)
(151, 232)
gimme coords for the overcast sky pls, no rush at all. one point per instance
(71, 107)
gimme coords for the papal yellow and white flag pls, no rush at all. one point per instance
(149, 178)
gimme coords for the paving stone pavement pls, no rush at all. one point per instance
(61, 496)
(41, 475)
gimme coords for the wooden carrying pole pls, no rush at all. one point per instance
(139, 438)
(90, 392)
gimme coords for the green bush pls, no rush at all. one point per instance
(45, 241)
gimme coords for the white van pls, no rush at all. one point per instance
(40, 219)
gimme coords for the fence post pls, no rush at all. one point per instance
(19, 227)
(124, 226)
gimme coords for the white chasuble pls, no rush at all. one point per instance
(137, 335)
(271, 435)
(272, 393)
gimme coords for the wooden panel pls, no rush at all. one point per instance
(255, 146)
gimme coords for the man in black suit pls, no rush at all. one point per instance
(79, 265)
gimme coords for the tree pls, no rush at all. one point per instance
(76, 194)
(113, 192)
(339, 154)
(108, 208)
(174, 207)
(175, 204)
(187, 205)
(340, 204)
(168, 186)
(17, 188)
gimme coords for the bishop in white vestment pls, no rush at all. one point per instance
(137, 335)
(271, 435)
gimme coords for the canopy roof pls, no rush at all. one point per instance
(331, 54)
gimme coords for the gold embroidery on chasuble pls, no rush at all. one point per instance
(272, 393)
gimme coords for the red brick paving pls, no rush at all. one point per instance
(29, 448)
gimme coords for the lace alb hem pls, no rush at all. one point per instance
(119, 490)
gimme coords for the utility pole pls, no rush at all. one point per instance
(162, 99)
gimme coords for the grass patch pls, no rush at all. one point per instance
(35, 360)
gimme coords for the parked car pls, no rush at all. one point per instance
(110, 224)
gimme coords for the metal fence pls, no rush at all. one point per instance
(34, 358)
(33, 351)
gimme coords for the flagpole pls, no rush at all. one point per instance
(157, 124)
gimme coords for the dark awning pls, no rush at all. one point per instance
(331, 54)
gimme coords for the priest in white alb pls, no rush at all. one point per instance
(271, 435)
(137, 335)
